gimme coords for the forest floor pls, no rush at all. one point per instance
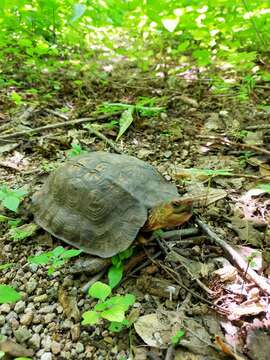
(207, 144)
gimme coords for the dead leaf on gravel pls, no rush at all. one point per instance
(69, 304)
(13, 349)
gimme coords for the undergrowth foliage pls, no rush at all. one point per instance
(46, 36)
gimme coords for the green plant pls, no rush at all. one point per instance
(22, 232)
(265, 187)
(175, 339)
(55, 258)
(115, 272)
(10, 198)
(75, 150)
(126, 117)
(6, 266)
(112, 309)
(8, 294)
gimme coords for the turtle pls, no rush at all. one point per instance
(98, 202)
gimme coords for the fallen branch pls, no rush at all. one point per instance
(238, 260)
(258, 127)
(56, 125)
(104, 138)
(228, 142)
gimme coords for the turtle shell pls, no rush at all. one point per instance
(98, 202)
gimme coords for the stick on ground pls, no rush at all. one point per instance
(260, 281)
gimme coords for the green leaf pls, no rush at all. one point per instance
(125, 121)
(11, 202)
(22, 232)
(99, 290)
(122, 301)
(115, 313)
(6, 266)
(78, 11)
(2, 354)
(177, 337)
(118, 326)
(90, 317)
(23, 358)
(115, 275)
(265, 187)
(8, 294)
(59, 250)
(41, 259)
(71, 253)
(170, 23)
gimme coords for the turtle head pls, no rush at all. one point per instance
(169, 214)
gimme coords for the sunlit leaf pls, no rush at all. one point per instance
(8, 294)
(170, 23)
(90, 317)
(125, 122)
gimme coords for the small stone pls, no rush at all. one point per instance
(46, 343)
(31, 286)
(19, 307)
(37, 319)
(6, 329)
(2, 320)
(5, 308)
(109, 340)
(79, 348)
(48, 318)
(11, 315)
(167, 154)
(67, 324)
(75, 332)
(47, 309)
(65, 355)
(38, 328)
(40, 298)
(34, 341)
(46, 356)
(14, 323)
(22, 334)
(27, 318)
(55, 347)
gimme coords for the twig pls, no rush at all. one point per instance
(56, 125)
(170, 353)
(57, 113)
(238, 260)
(235, 144)
(259, 127)
(176, 234)
(104, 138)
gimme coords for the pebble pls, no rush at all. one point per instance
(2, 320)
(46, 343)
(31, 286)
(46, 356)
(47, 309)
(5, 308)
(40, 298)
(75, 332)
(27, 318)
(34, 341)
(55, 347)
(48, 318)
(14, 323)
(79, 348)
(19, 307)
(22, 334)
(11, 315)
(67, 324)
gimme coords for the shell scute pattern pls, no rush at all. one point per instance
(98, 202)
